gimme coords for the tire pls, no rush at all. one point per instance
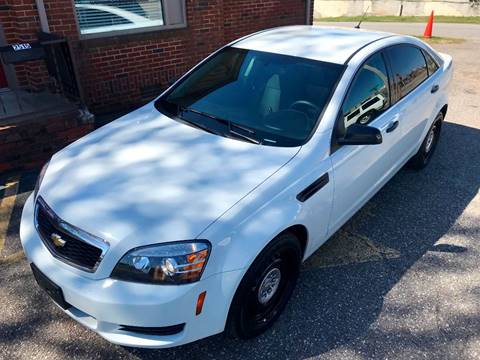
(365, 118)
(253, 311)
(421, 159)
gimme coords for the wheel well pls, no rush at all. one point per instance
(444, 110)
(300, 231)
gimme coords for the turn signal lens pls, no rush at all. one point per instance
(200, 301)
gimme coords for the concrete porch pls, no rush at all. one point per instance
(20, 103)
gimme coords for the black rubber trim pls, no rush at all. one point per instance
(161, 331)
(364, 46)
(311, 189)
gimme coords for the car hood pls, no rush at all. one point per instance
(151, 179)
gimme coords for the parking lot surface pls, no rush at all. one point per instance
(400, 281)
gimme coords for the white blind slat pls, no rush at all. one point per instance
(102, 15)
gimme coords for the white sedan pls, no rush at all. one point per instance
(193, 214)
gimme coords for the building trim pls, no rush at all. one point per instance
(42, 15)
(308, 6)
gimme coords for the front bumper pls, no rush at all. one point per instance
(104, 305)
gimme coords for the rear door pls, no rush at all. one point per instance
(415, 94)
(360, 170)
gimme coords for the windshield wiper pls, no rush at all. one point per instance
(204, 114)
(230, 125)
(199, 126)
(243, 136)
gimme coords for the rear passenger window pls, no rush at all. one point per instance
(369, 94)
(431, 64)
(408, 67)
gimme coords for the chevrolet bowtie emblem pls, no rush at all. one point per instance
(57, 240)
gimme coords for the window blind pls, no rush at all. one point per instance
(96, 16)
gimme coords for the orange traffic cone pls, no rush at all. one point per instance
(429, 27)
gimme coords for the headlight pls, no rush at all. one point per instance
(172, 263)
(40, 178)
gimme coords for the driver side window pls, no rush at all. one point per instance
(369, 93)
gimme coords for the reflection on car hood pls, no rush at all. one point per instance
(148, 177)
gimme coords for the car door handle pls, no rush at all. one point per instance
(392, 126)
(434, 89)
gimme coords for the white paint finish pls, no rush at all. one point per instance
(146, 179)
(246, 228)
(323, 43)
(102, 305)
(361, 170)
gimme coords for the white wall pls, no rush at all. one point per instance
(328, 8)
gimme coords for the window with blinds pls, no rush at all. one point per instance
(104, 16)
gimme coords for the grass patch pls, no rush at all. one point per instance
(418, 19)
(441, 40)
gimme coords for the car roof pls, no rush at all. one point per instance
(323, 43)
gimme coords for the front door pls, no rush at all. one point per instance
(360, 170)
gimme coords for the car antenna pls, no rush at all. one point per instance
(361, 19)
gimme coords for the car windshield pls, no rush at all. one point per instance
(254, 96)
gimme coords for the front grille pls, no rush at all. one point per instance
(70, 247)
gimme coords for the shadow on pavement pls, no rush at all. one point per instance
(333, 306)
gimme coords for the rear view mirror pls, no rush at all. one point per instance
(361, 135)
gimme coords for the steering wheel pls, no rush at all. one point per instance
(306, 107)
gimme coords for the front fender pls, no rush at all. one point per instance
(240, 234)
(247, 239)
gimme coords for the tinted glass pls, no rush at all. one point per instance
(276, 99)
(408, 67)
(369, 94)
(431, 64)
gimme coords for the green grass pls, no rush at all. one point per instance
(420, 19)
(441, 40)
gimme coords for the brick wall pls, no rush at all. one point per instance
(61, 17)
(247, 16)
(123, 71)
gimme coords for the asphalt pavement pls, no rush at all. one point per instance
(399, 281)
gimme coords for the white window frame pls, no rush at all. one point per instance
(174, 17)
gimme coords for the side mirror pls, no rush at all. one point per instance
(361, 135)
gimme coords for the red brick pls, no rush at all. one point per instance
(149, 59)
(34, 141)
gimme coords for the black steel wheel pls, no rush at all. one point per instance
(424, 154)
(266, 288)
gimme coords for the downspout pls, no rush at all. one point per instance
(308, 6)
(42, 15)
